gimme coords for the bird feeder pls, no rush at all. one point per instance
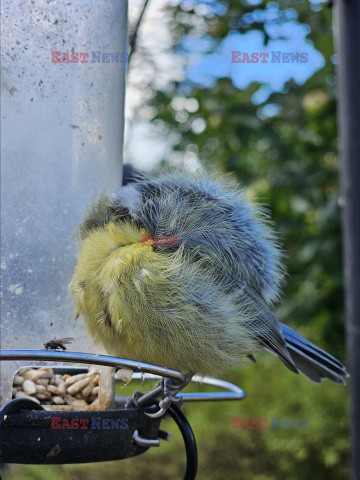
(63, 85)
(62, 104)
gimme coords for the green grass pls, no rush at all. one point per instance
(320, 451)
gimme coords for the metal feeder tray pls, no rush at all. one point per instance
(28, 433)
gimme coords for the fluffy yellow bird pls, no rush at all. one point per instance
(181, 270)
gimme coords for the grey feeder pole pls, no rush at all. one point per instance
(347, 34)
(63, 68)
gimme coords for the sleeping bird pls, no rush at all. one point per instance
(182, 270)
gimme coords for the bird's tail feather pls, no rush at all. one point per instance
(313, 362)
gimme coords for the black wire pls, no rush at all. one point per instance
(187, 434)
(189, 441)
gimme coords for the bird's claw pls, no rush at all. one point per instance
(170, 390)
(166, 397)
(164, 404)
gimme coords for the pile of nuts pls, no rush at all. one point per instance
(44, 386)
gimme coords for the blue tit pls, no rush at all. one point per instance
(182, 270)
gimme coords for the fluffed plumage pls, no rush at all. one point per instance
(199, 304)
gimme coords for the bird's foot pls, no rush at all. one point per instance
(165, 393)
(170, 388)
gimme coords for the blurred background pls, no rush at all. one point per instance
(274, 127)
